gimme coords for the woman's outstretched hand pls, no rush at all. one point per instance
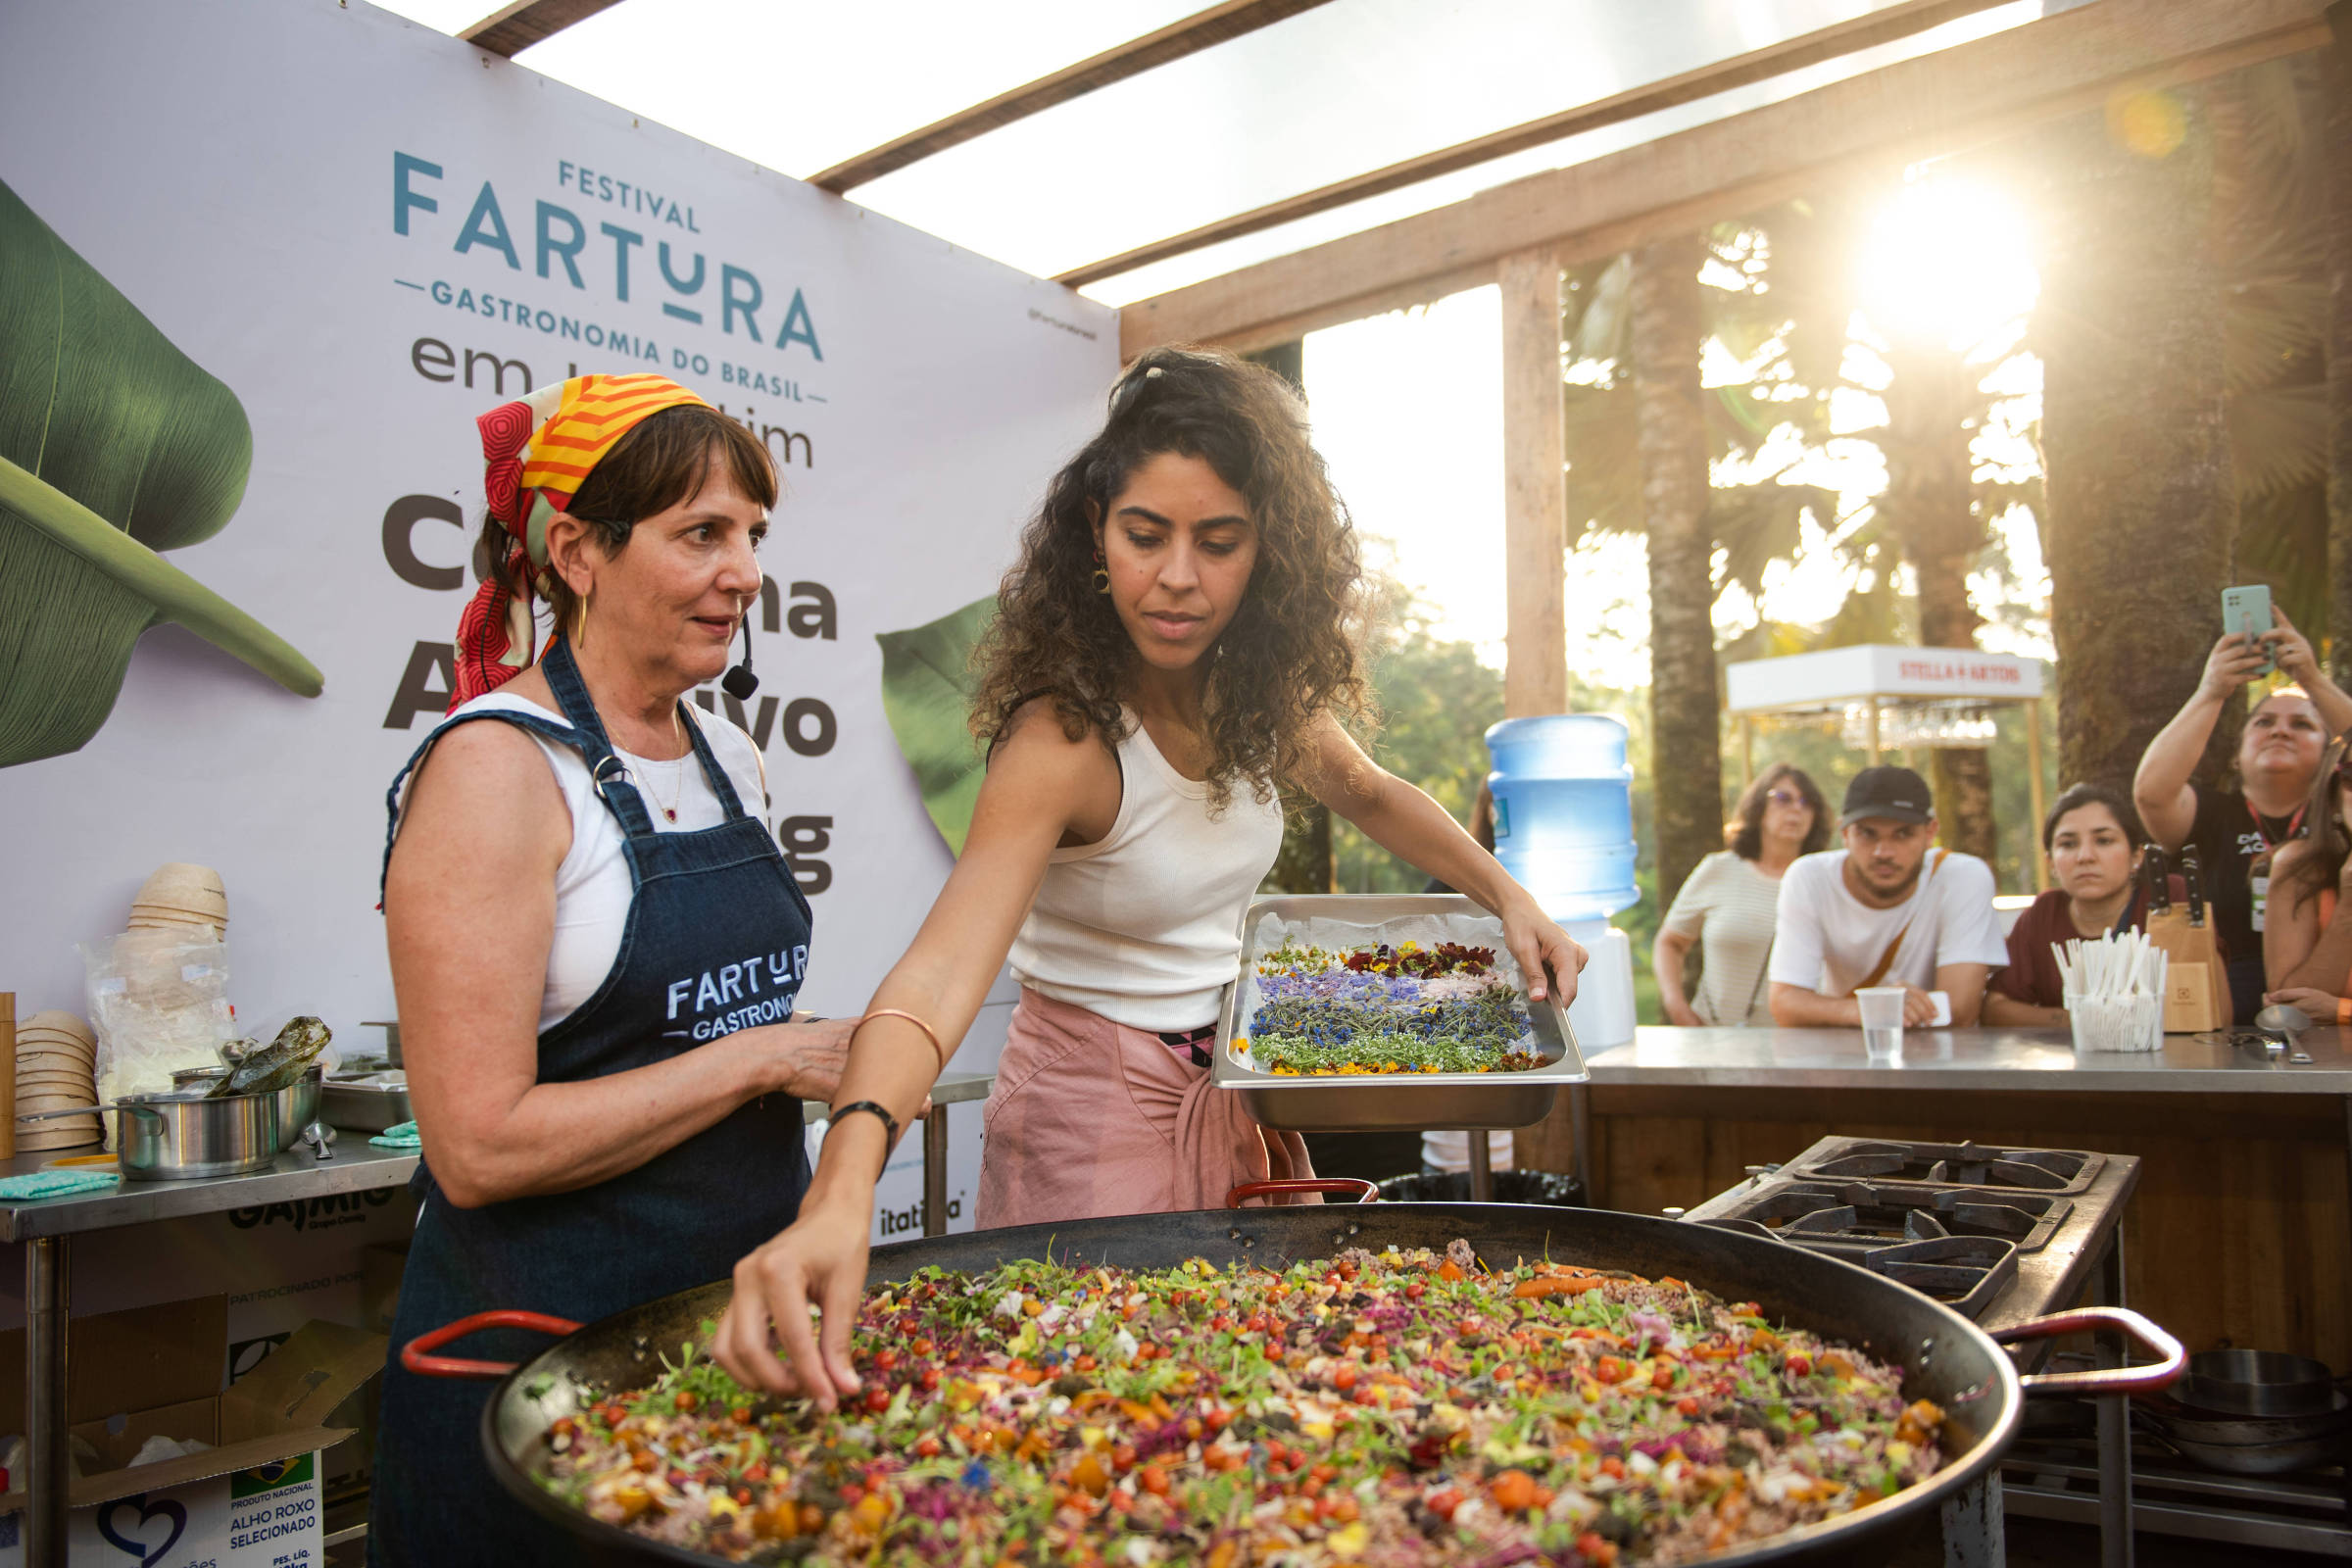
(818, 1262)
(1536, 940)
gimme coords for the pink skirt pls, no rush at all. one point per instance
(1091, 1117)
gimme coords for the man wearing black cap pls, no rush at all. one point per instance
(1889, 910)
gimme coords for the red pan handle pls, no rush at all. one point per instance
(1364, 1191)
(2108, 1380)
(416, 1354)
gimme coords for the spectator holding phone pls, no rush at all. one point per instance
(2093, 839)
(2237, 829)
(1890, 908)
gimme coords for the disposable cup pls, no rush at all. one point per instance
(1882, 1021)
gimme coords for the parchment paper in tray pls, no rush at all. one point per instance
(1479, 930)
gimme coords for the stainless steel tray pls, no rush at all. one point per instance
(1355, 1103)
(364, 1107)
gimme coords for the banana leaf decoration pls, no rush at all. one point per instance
(113, 446)
(927, 681)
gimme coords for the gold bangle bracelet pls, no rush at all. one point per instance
(929, 1034)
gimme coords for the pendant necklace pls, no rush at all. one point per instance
(677, 790)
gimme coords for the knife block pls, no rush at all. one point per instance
(2197, 982)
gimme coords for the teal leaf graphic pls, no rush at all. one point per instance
(927, 681)
(113, 445)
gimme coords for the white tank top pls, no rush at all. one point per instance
(592, 885)
(1144, 927)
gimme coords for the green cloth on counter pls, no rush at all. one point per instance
(404, 1136)
(54, 1183)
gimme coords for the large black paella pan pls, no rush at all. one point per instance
(1945, 1357)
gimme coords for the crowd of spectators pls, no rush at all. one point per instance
(1787, 927)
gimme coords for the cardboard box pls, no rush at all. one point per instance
(252, 1501)
(380, 1267)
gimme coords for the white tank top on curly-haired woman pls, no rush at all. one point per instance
(1103, 1104)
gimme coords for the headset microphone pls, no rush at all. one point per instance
(739, 683)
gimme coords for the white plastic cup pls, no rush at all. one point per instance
(1882, 1021)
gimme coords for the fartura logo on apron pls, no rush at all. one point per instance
(781, 970)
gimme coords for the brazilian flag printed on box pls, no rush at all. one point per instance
(271, 1477)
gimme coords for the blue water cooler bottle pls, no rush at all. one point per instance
(1565, 830)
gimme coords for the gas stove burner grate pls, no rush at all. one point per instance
(1966, 1164)
(1853, 1217)
(1966, 1273)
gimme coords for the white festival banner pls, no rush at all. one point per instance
(373, 232)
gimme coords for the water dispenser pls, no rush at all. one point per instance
(1565, 830)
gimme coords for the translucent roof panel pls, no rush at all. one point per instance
(1339, 90)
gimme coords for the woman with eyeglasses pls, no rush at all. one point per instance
(2307, 942)
(2093, 839)
(1173, 653)
(2239, 830)
(1728, 904)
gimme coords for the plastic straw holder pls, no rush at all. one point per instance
(2117, 1023)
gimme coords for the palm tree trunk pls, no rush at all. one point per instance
(1929, 504)
(1667, 326)
(2136, 447)
(2335, 160)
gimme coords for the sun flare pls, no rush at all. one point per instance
(1946, 260)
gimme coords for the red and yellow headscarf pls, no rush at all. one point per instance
(540, 450)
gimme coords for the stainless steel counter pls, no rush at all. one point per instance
(295, 1178)
(2039, 1059)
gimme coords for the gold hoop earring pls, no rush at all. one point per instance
(1101, 580)
(578, 629)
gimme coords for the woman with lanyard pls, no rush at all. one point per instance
(1169, 652)
(2235, 831)
(594, 946)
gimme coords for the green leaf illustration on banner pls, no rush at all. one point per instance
(927, 682)
(113, 445)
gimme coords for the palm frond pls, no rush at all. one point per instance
(2279, 437)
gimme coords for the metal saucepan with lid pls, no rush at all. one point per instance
(1944, 1358)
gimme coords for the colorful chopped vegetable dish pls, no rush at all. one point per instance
(1384, 1010)
(1397, 1409)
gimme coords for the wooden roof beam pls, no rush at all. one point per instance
(513, 28)
(1899, 20)
(1201, 30)
(1956, 98)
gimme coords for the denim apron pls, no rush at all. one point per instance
(716, 940)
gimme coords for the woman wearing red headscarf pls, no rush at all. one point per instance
(595, 946)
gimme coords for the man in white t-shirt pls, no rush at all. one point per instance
(1890, 908)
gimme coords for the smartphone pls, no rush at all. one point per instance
(2248, 610)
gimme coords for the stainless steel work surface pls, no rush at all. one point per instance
(953, 1089)
(294, 1177)
(1969, 1058)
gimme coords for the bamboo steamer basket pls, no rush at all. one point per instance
(178, 888)
(58, 1025)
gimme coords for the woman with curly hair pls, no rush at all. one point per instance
(1174, 650)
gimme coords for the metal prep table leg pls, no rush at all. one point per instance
(1579, 1128)
(935, 1172)
(1974, 1536)
(2115, 1423)
(1482, 1169)
(47, 1293)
